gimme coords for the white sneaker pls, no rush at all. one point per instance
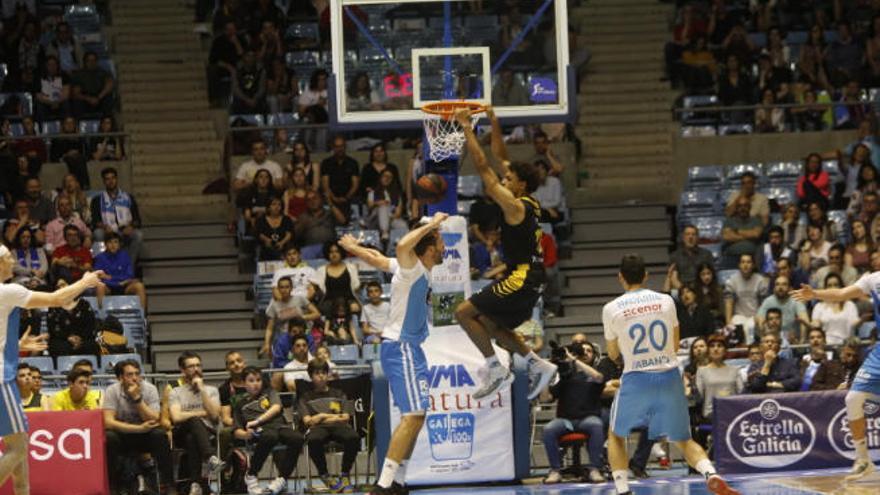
(195, 489)
(552, 477)
(253, 485)
(215, 464)
(541, 372)
(860, 469)
(495, 376)
(277, 486)
(595, 476)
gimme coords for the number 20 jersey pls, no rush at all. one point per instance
(643, 322)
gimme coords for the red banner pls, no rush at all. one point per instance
(67, 454)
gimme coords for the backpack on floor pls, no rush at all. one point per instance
(232, 475)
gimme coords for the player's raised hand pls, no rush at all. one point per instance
(463, 117)
(804, 294)
(93, 279)
(439, 218)
(30, 343)
(348, 242)
(490, 112)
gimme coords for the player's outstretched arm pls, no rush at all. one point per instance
(807, 293)
(512, 208)
(370, 256)
(406, 255)
(499, 149)
(64, 295)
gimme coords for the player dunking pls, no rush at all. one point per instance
(866, 384)
(501, 307)
(403, 360)
(642, 326)
(13, 423)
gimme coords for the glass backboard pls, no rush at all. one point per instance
(390, 57)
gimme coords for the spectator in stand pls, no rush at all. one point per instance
(793, 231)
(195, 410)
(282, 88)
(317, 226)
(249, 86)
(851, 110)
(77, 396)
(31, 265)
(299, 272)
(872, 53)
(694, 317)
(774, 250)
(71, 260)
(337, 280)
(31, 401)
(811, 362)
(72, 328)
(34, 147)
(759, 204)
(742, 295)
(131, 423)
(258, 420)
(845, 57)
(254, 200)
(371, 173)
(360, 96)
(29, 46)
(313, 101)
(698, 66)
(773, 373)
(23, 221)
(226, 51)
(837, 374)
(385, 204)
(375, 314)
(296, 368)
(107, 148)
(326, 412)
(484, 216)
(858, 252)
(578, 391)
(508, 91)
(71, 151)
(64, 49)
(859, 157)
(301, 158)
(247, 171)
(39, 204)
(814, 251)
(544, 153)
(281, 311)
(814, 186)
(787, 268)
(715, 379)
(721, 21)
(771, 77)
(835, 265)
(808, 118)
(66, 216)
(777, 49)
(267, 43)
(735, 88)
(339, 326)
(768, 117)
(698, 357)
(322, 351)
(115, 210)
(487, 259)
(340, 180)
(740, 233)
(295, 196)
(837, 319)
(818, 217)
(119, 269)
(549, 194)
(53, 99)
(867, 185)
(811, 62)
(684, 261)
(709, 292)
(867, 135)
(92, 89)
(738, 44)
(795, 319)
(79, 202)
(689, 27)
(232, 387)
(274, 231)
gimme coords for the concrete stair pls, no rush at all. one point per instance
(625, 123)
(174, 145)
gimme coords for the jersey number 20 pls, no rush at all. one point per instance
(637, 332)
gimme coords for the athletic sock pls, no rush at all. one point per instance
(492, 361)
(389, 470)
(400, 475)
(620, 481)
(862, 449)
(705, 468)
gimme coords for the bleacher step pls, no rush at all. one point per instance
(203, 208)
(228, 297)
(604, 257)
(193, 273)
(598, 170)
(619, 213)
(212, 353)
(198, 331)
(171, 230)
(618, 231)
(218, 246)
(604, 286)
(163, 190)
(598, 117)
(195, 177)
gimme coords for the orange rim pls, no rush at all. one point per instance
(447, 109)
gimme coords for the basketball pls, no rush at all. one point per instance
(431, 188)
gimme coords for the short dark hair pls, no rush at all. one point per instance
(748, 173)
(251, 370)
(83, 362)
(816, 329)
(109, 170)
(296, 321)
(538, 134)
(774, 311)
(528, 173)
(187, 355)
(74, 374)
(750, 255)
(690, 226)
(425, 242)
(285, 279)
(112, 236)
(776, 229)
(328, 245)
(829, 277)
(632, 268)
(837, 247)
(119, 368)
(71, 228)
(290, 248)
(23, 366)
(316, 365)
(373, 283)
(229, 353)
(298, 338)
(36, 370)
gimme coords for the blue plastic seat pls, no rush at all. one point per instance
(734, 172)
(712, 174)
(694, 116)
(44, 363)
(282, 119)
(698, 131)
(344, 354)
(724, 276)
(782, 195)
(783, 169)
(302, 30)
(733, 129)
(469, 186)
(253, 119)
(89, 126)
(710, 229)
(108, 362)
(371, 352)
(51, 126)
(65, 363)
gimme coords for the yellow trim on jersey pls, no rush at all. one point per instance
(512, 282)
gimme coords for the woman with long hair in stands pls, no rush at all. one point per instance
(858, 252)
(860, 156)
(866, 182)
(811, 64)
(71, 189)
(274, 231)
(709, 291)
(253, 201)
(385, 203)
(818, 217)
(31, 264)
(301, 158)
(374, 168)
(337, 279)
(295, 196)
(838, 319)
(814, 185)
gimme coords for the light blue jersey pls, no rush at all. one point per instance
(868, 377)
(12, 418)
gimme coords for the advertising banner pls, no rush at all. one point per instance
(66, 454)
(788, 432)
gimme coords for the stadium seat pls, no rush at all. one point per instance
(839, 217)
(394, 236)
(65, 363)
(97, 248)
(698, 131)
(724, 276)
(304, 31)
(371, 352)
(282, 119)
(710, 229)
(781, 195)
(833, 169)
(254, 119)
(694, 116)
(26, 100)
(715, 249)
(89, 126)
(734, 172)
(732, 129)
(470, 186)
(44, 363)
(51, 126)
(777, 170)
(109, 361)
(344, 354)
(463, 207)
(705, 177)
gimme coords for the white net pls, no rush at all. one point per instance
(445, 136)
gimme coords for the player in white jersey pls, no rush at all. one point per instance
(403, 361)
(13, 423)
(866, 384)
(641, 325)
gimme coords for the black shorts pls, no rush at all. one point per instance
(509, 302)
(116, 290)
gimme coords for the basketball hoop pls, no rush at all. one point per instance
(444, 134)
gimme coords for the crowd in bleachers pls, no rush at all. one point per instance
(738, 53)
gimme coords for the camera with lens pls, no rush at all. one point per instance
(559, 357)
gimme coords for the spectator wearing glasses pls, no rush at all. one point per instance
(838, 373)
(837, 319)
(835, 265)
(773, 373)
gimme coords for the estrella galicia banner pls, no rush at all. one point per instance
(464, 440)
(788, 432)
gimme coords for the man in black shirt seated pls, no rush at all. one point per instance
(323, 412)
